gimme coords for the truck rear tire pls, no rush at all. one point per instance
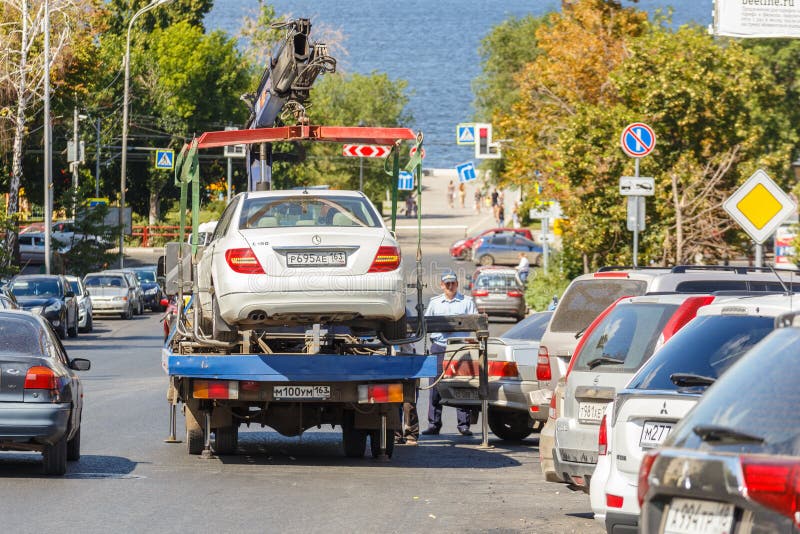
(195, 440)
(509, 425)
(354, 440)
(375, 442)
(226, 440)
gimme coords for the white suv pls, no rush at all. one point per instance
(665, 389)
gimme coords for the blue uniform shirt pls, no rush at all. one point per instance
(439, 305)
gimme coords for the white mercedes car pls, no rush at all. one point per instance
(301, 257)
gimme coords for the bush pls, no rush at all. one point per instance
(543, 287)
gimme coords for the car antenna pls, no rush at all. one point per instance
(786, 290)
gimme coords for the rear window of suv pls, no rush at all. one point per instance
(585, 299)
(628, 334)
(707, 346)
(498, 281)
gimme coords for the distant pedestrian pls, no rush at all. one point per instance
(501, 198)
(462, 193)
(515, 215)
(451, 193)
(478, 198)
(450, 302)
(523, 267)
(495, 195)
(501, 216)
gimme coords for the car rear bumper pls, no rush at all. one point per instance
(41, 423)
(620, 523)
(546, 444)
(576, 449)
(509, 394)
(515, 310)
(109, 307)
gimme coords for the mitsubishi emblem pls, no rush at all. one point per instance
(664, 409)
(316, 240)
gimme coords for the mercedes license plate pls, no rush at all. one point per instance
(591, 412)
(654, 433)
(316, 259)
(301, 392)
(692, 516)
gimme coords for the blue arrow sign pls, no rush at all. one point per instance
(405, 181)
(638, 140)
(465, 134)
(165, 158)
(466, 172)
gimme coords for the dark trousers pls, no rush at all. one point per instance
(435, 407)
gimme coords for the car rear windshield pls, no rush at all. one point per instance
(531, 328)
(628, 334)
(104, 281)
(328, 211)
(36, 287)
(759, 396)
(585, 299)
(146, 276)
(707, 346)
(20, 336)
(499, 281)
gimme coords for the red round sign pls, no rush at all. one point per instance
(414, 151)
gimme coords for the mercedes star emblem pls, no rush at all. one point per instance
(316, 240)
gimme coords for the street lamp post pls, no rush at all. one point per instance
(125, 98)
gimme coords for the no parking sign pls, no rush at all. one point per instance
(638, 140)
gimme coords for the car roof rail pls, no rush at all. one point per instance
(607, 268)
(738, 269)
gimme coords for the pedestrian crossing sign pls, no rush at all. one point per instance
(165, 159)
(405, 181)
(465, 133)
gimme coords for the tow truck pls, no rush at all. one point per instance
(295, 377)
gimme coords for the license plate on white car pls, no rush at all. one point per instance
(465, 394)
(316, 259)
(654, 433)
(301, 392)
(591, 412)
(691, 516)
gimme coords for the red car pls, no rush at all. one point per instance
(461, 248)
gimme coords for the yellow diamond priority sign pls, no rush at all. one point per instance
(759, 206)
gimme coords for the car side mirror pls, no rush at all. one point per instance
(80, 364)
(69, 294)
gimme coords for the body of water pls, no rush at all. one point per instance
(433, 44)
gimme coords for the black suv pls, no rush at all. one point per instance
(51, 297)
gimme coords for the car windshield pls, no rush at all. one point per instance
(531, 328)
(104, 281)
(75, 287)
(146, 276)
(20, 336)
(628, 333)
(328, 211)
(758, 396)
(585, 299)
(498, 281)
(36, 287)
(707, 346)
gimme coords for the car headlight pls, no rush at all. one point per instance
(52, 307)
(118, 299)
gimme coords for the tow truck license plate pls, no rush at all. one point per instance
(301, 392)
(591, 412)
(690, 516)
(654, 433)
(316, 259)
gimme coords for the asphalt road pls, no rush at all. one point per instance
(129, 480)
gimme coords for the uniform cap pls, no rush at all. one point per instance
(449, 276)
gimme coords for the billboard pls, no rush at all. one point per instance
(757, 18)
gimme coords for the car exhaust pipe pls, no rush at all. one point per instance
(257, 315)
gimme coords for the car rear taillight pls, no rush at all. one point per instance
(462, 368)
(243, 261)
(552, 414)
(611, 275)
(480, 293)
(543, 372)
(614, 501)
(387, 259)
(503, 369)
(644, 473)
(602, 438)
(774, 482)
(685, 313)
(514, 294)
(41, 377)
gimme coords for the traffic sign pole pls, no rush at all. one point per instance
(545, 244)
(636, 218)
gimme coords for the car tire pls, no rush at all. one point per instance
(509, 425)
(195, 440)
(537, 260)
(62, 330)
(486, 259)
(54, 458)
(128, 315)
(375, 442)
(227, 335)
(226, 440)
(73, 332)
(74, 447)
(354, 440)
(89, 323)
(463, 255)
(395, 329)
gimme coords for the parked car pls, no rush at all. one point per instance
(151, 288)
(51, 297)
(137, 292)
(302, 257)
(614, 347)
(41, 398)
(733, 463)
(498, 291)
(110, 294)
(666, 388)
(85, 316)
(7, 300)
(31, 247)
(504, 249)
(462, 249)
(513, 415)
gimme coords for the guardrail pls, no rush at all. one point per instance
(156, 235)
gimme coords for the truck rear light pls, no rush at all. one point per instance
(552, 413)
(685, 313)
(514, 293)
(380, 393)
(602, 438)
(216, 389)
(644, 474)
(41, 377)
(503, 369)
(480, 293)
(774, 482)
(387, 259)
(614, 501)
(243, 261)
(543, 372)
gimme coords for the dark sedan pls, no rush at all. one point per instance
(153, 293)
(733, 463)
(41, 398)
(51, 297)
